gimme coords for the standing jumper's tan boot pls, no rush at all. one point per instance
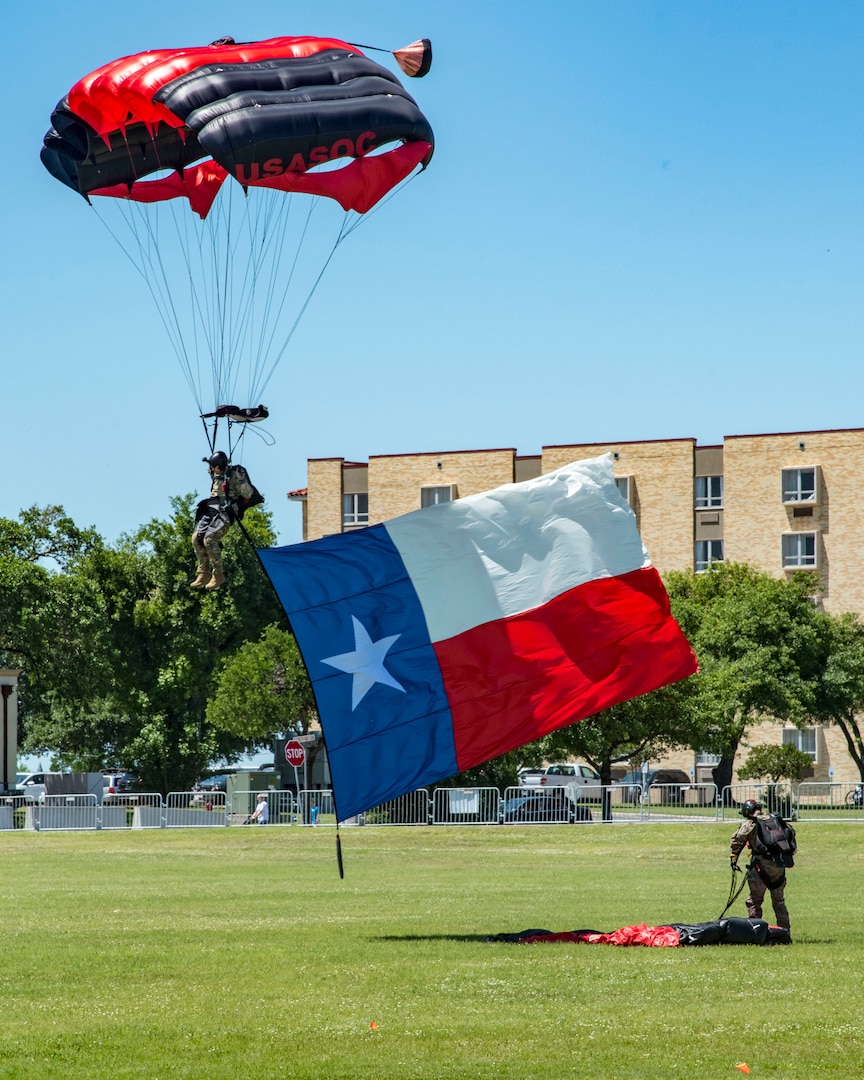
(217, 579)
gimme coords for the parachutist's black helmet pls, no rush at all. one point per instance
(217, 460)
(749, 808)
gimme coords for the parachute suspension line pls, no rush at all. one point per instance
(348, 226)
(361, 218)
(232, 444)
(224, 300)
(254, 244)
(735, 890)
(181, 222)
(266, 244)
(266, 238)
(156, 280)
(266, 344)
(343, 232)
(238, 320)
(276, 299)
(213, 256)
(238, 301)
(182, 228)
(211, 439)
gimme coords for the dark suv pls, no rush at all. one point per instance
(547, 806)
(674, 781)
(116, 786)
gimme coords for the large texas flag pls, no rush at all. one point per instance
(446, 637)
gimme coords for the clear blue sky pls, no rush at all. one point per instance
(643, 220)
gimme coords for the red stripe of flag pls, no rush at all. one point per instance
(512, 681)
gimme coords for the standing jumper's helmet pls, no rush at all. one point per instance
(749, 808)
(219, 460)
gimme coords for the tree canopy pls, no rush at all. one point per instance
(761, 646)
(119, 655)
(840, 687)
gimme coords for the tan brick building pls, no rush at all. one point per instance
(781, 502)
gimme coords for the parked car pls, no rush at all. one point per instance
(31, 785)
(529, 777)
(116, 785)
(213, 783)
(560, 775)
(633, 784)
(204, 790)
(548, 806)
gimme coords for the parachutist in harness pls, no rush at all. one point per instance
(231, 495)
(772, 844)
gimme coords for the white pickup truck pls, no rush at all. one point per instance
(560, 776)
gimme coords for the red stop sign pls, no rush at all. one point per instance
(295, 753)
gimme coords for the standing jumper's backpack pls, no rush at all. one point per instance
(774, 839)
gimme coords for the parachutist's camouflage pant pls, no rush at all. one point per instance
(210, 527)
(758, 888)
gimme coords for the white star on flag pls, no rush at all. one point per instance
(366, 663)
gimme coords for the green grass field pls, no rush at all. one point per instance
(241, 954)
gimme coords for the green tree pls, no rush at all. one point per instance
(761, 648)
(165, 644)
(634, 731)
(840, 691)
(501, 772)
(263, 690)
(53, 623)
(775, 763)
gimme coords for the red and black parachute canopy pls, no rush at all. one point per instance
(267, 113)
(290, 123)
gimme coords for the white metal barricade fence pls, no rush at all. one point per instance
(415, 808)
(62, 812)
(148, 810)
(12, 812)
(112, 816)
(809, 801)
(317, 808)
(829, 802)
(681, 802)
(195, 809)
(775, 798)
(465, 806)
(549, 806)
(282, 807)
(624, 802)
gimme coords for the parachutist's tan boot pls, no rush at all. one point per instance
(204, 574)
(215, 581)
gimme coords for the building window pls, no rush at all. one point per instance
(432, 496)
(706, 760)
(709, 492)
(799, 550)
(803, 739)
(355, 508)
(708, 551)
(624, 487)
(799, 485)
